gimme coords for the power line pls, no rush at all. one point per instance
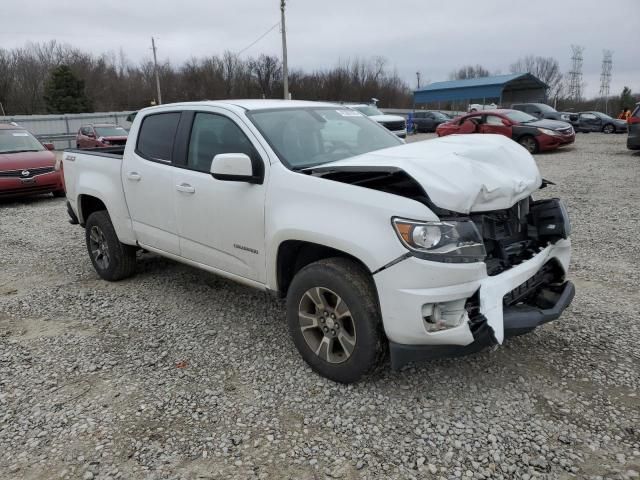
(258, 39)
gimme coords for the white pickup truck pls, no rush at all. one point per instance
(420, 250)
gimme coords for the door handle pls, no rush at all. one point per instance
(134, 176)
(185, 188)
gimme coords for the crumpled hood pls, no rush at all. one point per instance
(461, 173)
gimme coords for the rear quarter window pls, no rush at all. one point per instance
(157, 135)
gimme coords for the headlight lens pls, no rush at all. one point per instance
(546, 131)
(453, 241)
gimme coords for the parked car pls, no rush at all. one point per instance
(474, 107)
(599, 122)
(100, 135)
(395, 123)
(428, 120)
(374, 243)
(27, 166)
(533, 134)
(633, 140)
(541, 110)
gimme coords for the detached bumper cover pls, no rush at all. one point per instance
(517, 320)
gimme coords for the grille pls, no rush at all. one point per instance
(394, 126)
(550, 273)
(32, 172)
(505, 235)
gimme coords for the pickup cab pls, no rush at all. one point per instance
(420, 250)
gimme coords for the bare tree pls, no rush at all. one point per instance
(469, 71)
(546, 69)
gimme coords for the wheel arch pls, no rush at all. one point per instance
(88, 204)
(293, 255)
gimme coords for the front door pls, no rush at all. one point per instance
(221, 223)
(147, 178)
(495, 124)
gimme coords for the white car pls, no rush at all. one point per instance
(395, 123)
(425, 249)
(475, 107)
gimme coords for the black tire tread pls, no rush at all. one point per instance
(358, 277)
(123, 257)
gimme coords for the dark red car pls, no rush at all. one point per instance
(27, 166)
(101, 135)
(533, 134)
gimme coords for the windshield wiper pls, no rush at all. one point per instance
(18, 151)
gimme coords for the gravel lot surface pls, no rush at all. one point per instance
(176, 373)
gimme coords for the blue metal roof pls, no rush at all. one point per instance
(475, 88)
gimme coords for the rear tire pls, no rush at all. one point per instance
(529, 142)
(608, 128)
(112, 260)
(334, 319)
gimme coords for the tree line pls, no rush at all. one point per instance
(55, 78)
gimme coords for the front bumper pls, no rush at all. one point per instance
(39, 184)
(406, 287)
(549, 142)
(517, 320)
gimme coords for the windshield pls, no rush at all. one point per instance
(369, 110)
(604, 116)
(15, 141)
(306, 137)
(520, 117)
(545, 108)
(111, 132)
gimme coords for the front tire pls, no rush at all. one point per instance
(59, 194)
(608, 128)
(529, 142)
(111, 259)
(334, 319)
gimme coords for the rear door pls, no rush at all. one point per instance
(496, 124)
(147, 179)
(590, 122)
(221, 223)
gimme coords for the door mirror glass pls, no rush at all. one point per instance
(234, 167)
(49, 146)
(506, 123)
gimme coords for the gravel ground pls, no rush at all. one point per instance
(176, 373)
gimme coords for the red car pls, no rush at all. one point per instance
(101, 135)
(533, 134)
(27, 167)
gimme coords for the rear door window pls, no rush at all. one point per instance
(157, 135)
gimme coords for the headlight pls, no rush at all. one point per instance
(546, 131)
(451, 241)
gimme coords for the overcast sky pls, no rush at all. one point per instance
(433, 37)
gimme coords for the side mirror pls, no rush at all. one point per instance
(49, 146)
(234, 167)
(505, 123)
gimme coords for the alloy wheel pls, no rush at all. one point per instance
(327, 325)
(608, 129)
(99, 248)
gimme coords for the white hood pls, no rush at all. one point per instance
(461, 173)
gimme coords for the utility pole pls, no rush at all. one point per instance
(418, 77)
(155, 67)
(285, 71)
(575, 75)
